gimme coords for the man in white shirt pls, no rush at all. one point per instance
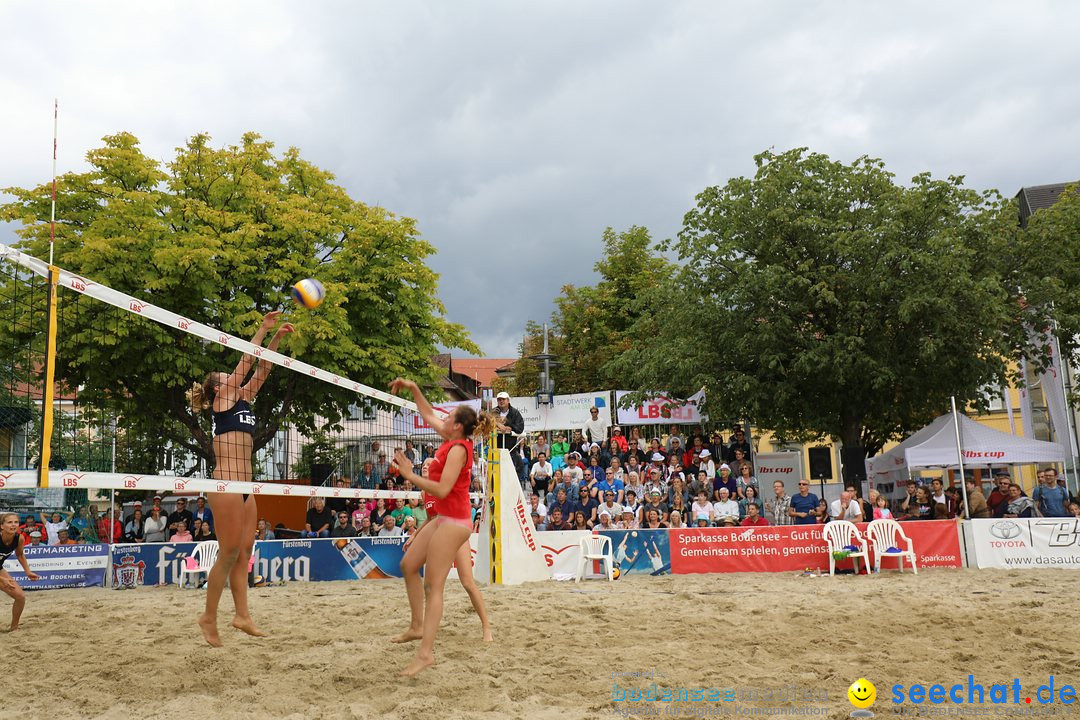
(540, 475)
(537, 507)
(609, 505)
(726, 510)
(846, 508)
(389, 527)
(573, 470)
(596, 428)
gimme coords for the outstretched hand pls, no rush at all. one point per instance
(31, 575)
(402, 462)
(285, 329)
(270, 319)
(401, 383)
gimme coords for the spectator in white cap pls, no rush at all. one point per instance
(726, 481)
(605, 521)
(35, 538)
(628, 522)
(706, 463)
(510, 424)
(595, 428)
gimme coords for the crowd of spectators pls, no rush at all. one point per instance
(594, 478)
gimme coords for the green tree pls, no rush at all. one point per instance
(591, 325)
(218, 235)
(824, 299)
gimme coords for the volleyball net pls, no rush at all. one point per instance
(108, 378)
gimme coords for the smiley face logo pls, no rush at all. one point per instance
(862, 695)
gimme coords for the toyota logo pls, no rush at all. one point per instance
(1005, 530)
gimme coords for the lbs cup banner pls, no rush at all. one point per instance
(62, 566)
(275, 560)
(1020, 543)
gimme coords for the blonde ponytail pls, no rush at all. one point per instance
(201, 397)
(485, 425)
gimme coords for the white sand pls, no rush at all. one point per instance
(98, 653)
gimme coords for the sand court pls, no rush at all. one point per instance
(561, 648)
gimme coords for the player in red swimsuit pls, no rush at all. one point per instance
(448, 482)
(410, 569)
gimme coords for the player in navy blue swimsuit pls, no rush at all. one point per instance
(235, 516)
(11, 541)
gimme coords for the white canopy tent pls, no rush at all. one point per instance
(935, 447)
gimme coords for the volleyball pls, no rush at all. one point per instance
(308, 293)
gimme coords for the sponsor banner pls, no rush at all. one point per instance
(634, 551)
(661, 409)
(787, 467)
(275, 560)
(566, 412)
(61, 566)
(794, 547)
(409, 422)
(1026, 543)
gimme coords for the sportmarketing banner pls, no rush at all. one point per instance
(61, 566)
(1026, 543)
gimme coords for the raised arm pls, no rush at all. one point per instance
(244, 366)
(427, 412)
(262, 368)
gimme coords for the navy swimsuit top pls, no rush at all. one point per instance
(239, 418)
(7, 551)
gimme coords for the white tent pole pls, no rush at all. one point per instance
(1070, 417)
(960, 456)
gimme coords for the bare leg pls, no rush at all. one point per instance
(11, 588)
(463, 560)
(215, 584)
(228, 523)
(444, 545)
(414, 585)
(238, 578)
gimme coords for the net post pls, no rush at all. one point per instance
(494, 509)
(48, 389)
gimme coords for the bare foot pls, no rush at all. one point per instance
(408, 636)
(14, 627)
(208, 625)
(488, 637)
(418, 665)
(248, 626)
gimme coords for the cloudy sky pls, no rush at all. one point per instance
(516, 132)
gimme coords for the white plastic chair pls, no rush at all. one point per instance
(842, 535)
(886, 536)
(201, 560)
(595, 547)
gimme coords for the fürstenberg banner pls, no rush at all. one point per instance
(1027, 543)
(566, 412)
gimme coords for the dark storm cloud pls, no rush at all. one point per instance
(516, 132)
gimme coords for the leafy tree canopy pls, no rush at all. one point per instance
(219, 235)
(819, 298)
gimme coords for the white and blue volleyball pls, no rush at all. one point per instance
(309, 293)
